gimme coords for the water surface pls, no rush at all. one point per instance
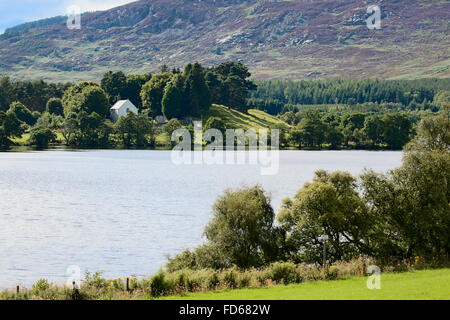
(123, 211)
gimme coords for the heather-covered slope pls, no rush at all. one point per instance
(277, 39)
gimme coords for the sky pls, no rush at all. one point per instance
(14, 12)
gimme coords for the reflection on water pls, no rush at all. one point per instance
(123, 211)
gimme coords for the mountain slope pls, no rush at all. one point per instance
(277, 39)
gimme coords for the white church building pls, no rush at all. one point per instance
(121, 109)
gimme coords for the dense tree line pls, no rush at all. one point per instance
(392, 217)
(33, 94)
(312, 129)
(274, 95)
(382, 115)
(80, 112)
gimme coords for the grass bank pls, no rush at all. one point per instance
(417, 285)
(280, 280)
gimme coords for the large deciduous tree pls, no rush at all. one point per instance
(10, 127)
(243, 227)
(23, 113)
(88, 97)
(329, 206)
(153, 91)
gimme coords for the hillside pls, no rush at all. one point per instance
(275, 38)
(233, 119)
(255, 119)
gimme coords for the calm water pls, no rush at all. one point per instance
(124, 211)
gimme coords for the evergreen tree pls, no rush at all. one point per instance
(196, 93)
(173, 97)
(114, 84)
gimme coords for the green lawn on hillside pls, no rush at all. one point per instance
(255, 119)
(418, 285)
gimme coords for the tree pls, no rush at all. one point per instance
(10, 127)
(196, 93)
(41, 137)
(54, 106)
(91, 130)
(50, 121)
(373, 129)
(173, 97)
(312, 129)
(215, 123)
(86, 96)
(442, 97)
(134, 87)
(296, 137)
(171, 126)
(94, 99)
(396, 130)
(236, 93)
(135, 130)
(353, 121)
(229, 85)
(330, 206)
(283, 133)
(412, 202)
(69, 126)
(332, 135)
(242, 227)
(23, 113)
(114, 84)
(289, 117)
(7, 94)
(153, 91)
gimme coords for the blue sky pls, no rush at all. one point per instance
(14, 12)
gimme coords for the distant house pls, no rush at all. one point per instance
(121, 109)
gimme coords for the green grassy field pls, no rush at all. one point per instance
(234, 119)
(418, 285)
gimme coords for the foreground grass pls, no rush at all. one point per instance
(418, 285)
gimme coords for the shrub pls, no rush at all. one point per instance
(160, 285)
(213, 280)
(309, 273)
(230, 278)
(40, 286)
(284, 272)
(41, 137)
(244, 280)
